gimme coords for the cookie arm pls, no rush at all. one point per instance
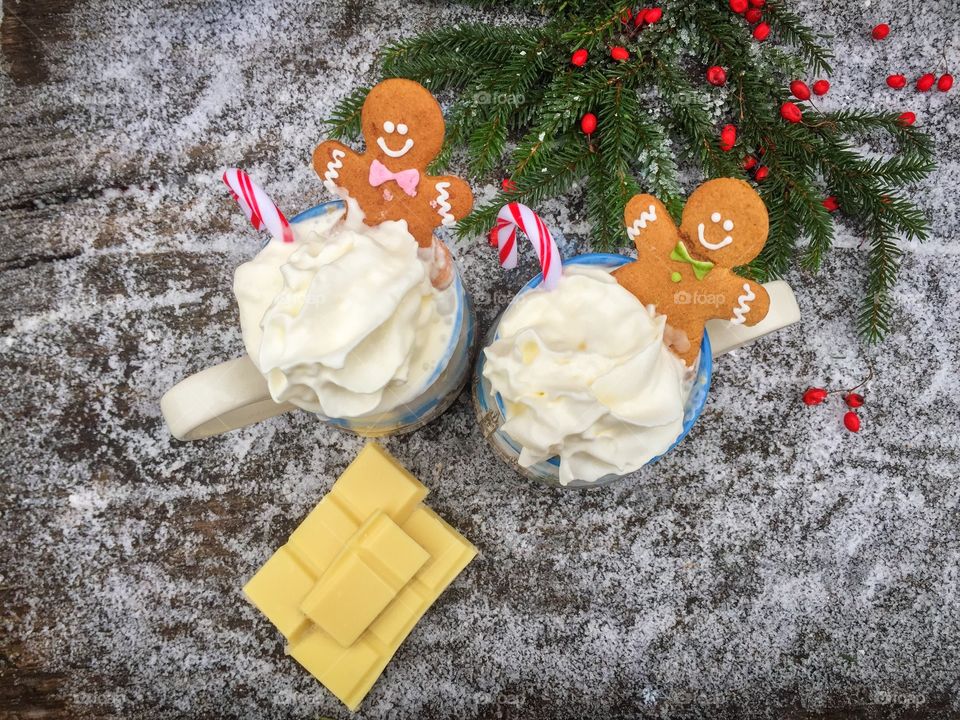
(451, 199)
(328, 161)
(649, 226)
(749, 301)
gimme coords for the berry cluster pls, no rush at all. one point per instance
(752, 11)
(852, 399)
(924, 83)
(636, 21)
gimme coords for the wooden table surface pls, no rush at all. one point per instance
(773, 566)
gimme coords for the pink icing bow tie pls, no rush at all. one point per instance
(406, 179)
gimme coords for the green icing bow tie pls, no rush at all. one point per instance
(700, 267)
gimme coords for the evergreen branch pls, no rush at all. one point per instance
(559, 165)
(883, 262)
(344, 122)
(516, 84)
(792, 29)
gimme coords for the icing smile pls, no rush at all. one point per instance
(395, 153)
(727, 225)
(389, 128)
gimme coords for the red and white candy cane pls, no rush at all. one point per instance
(513, 217)
(257, 205)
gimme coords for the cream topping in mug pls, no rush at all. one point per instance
(343, 321)
(584, 374)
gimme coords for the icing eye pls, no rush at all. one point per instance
(715, 217)
(728, 225)
(402, 129)
(727, 240)
(388, 127)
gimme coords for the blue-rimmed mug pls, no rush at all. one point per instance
(235, 394)
(492, 415)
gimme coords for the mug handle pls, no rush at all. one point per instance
(219, 399)
(784, 311)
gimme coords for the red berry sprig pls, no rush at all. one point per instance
(851, 421)
(716, 76)
(738, 6)
(852, 399)
(753, 16)
(907, 118)
(761, 32)
(925, 82)
(791, 112)
(619, 53)
(728, 137)
(652, 15)
(799, 89)
(897, 82)
(588, 124)
(945, 82)
(761, 174)
(579, 58)
(831, 204)
(821, 87)
(880, 31)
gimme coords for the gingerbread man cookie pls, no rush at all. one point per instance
(403, 129)
(686, 272)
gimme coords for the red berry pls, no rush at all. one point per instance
(945, 82)
(820, 87)
(831, 204)
(907, 118)
(716, 75)
(508, 185)
(799, 89)
(852, 421)
(897, 82)
(588, 123)
(761, 32)
(925, 82)
(579, 58)
(728, 137)
(738, 6)
(619, 53)
(652, 15)
(749, 163)
(492, 237)
(790, 112)
(627, 16)
(853, 400)
(753, 15)
(761, 174)
(814, 396)
(880, 31)
(758, 3)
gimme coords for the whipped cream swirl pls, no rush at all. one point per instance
(344, 320)
(584, 375)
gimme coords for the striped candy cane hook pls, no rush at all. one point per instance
(513, 217)
(257, 205)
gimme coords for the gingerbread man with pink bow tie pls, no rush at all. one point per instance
(403, 128)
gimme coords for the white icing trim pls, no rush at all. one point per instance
(740, 312)
(709, 245)
(335, 164)
(446, 216)
(641, 222)
(395, 153)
